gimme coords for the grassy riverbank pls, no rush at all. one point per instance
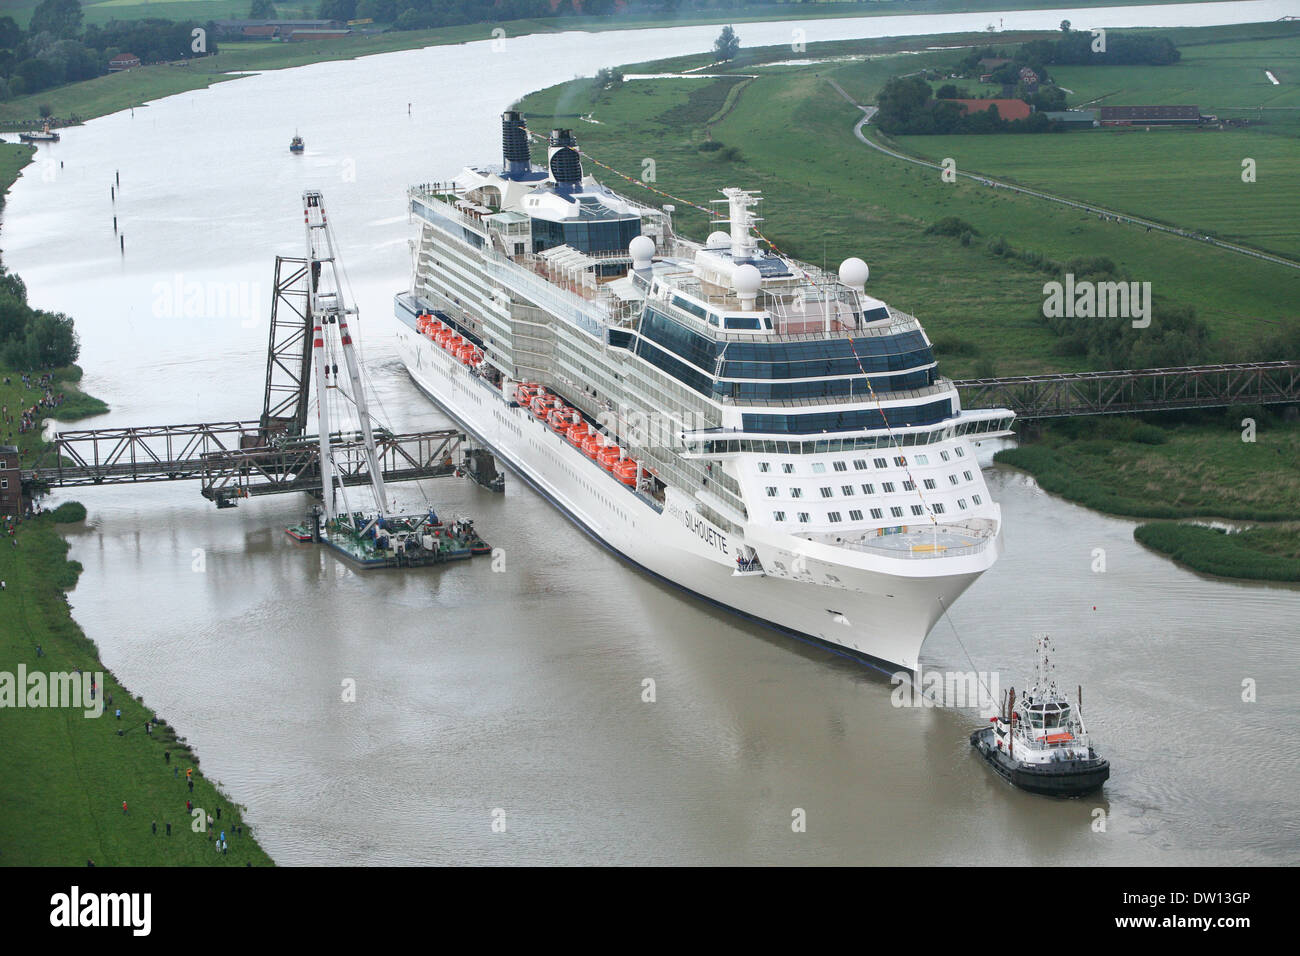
(63, 775)
(119, 91)
(1198, 469)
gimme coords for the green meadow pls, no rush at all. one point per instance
(1189, 178)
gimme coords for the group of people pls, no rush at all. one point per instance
(29, 419)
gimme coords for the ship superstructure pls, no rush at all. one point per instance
(746, 426)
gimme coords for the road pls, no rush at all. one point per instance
(869, 111)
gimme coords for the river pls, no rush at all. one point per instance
(522, 690)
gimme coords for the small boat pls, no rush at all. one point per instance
(45, 135)
(1042, 745)
(296, 144)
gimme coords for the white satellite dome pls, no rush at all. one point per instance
(718, 240)
(642, 250)
(854, 273)
(747, 280)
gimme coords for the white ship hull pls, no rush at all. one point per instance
(872, 607)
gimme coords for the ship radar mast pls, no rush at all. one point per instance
(740, 203)
(328, 317)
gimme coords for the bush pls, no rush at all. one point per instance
(951, 226)
(70, 512)
(710, 146)
(1149, 435)
(1214, 551)
(954, 347)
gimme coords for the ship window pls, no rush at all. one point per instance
(976, 499)
(961, 503)
(826, 492)
(846, 490)
(968, 477)
(788, 468)
(771, 491)
(778, 515)
(877, 513)
(923, 459)
(880, 463)
(889, 487)
(855, 515)
(764, 466)
(796, 492)
(953, 479)
(868, 489)
(860, 464)
(833, 517)
(909, 485)
(938, 507)
(803, 517)
(929, 484)
(896, 512)
(960, 452)
(819, 467)
(917, 510)
(900, 461)
(841, 466)
(943, 455)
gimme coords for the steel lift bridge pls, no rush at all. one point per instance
(310, 332)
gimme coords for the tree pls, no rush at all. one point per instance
(10, 34)
(727, 45)
(60, 17)
(1065, 26)
(947, 92)
(46, 112)
(261, 10)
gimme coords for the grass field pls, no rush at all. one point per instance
(827, 197)
(1258, 553)
(1202, 470)
(1188, 178)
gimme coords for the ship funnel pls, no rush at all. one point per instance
(514, 144)
(564, 162)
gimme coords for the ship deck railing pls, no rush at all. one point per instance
(917, 542)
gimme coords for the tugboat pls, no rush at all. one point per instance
(296, 144)
(1042, 746)
(46, 135)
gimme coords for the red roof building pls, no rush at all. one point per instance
(1007, 109)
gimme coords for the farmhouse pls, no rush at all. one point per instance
(1007, 109)
(123, 61)
(1149, 115)
(11, 495)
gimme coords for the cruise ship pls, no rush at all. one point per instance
(754, 430)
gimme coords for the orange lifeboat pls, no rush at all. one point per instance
(627, 471)
(559, 419)
(592, 444)
(540, 405)
(422, 322)
(442, 335)
(576, 433)
(463, 352)
(609, 456)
